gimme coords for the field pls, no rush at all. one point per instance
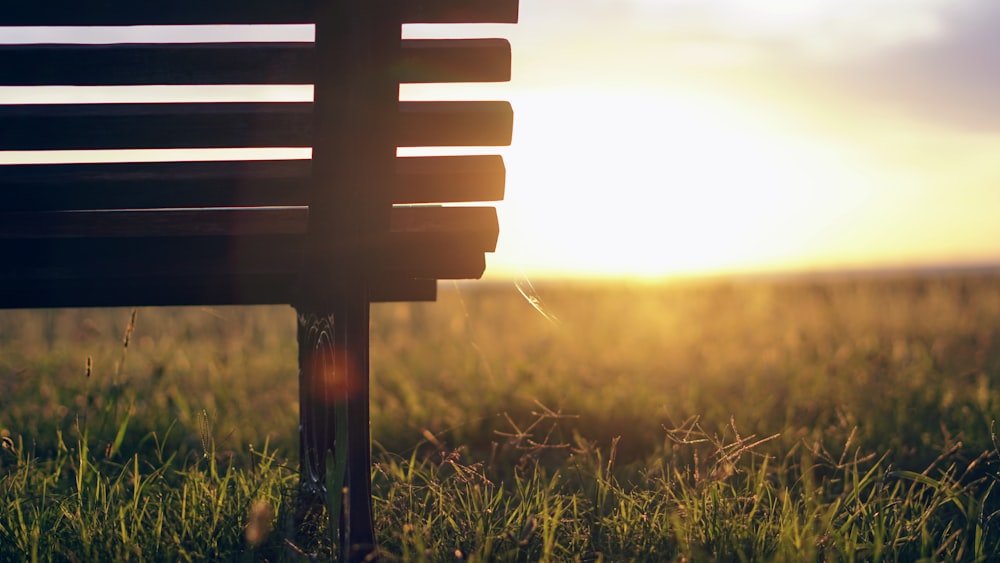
(840, 419)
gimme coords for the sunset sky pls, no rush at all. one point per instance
(671, 137)
(661, 137)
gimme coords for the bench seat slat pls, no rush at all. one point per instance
(166, 291)
(195, 12)
(473, 225)
(234, 125)
(423, 61)
(53, 187)
(437, 257)
(129, 185)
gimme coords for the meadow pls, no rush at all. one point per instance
(841, 419)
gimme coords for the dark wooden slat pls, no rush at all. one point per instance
(477, 227)
(114, 126)
(88, 292)
(460, 11)
(422, 61)
(455, 60)
(155, 12)
(153, 223)
(191, 12)
(450, 179)
(419, 225)
(194, 257)
(144, 64)
(166, 291)
(53, 187)
(65, 258)
(455, 124)
(427, 243)
(229, 125)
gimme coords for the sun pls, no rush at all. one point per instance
(613, 184)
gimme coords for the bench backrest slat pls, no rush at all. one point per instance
(54, 187)
(231, 232)
(423, 61)
(229, 125)
(144, 259)
(201, 12)
(472, 224)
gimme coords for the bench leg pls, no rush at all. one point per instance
(333, 393)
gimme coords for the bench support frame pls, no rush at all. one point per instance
(354, 152)
(334, 418)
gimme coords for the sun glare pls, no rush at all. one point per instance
(653, 185)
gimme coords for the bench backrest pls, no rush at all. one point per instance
(194, 232)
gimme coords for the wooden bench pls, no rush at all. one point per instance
(327, 235)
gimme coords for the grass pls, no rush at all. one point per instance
(848, 419)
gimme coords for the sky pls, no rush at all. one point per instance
(657, 138)
(660, 138)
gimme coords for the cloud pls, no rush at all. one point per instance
(728, 33)
(826, 29)
(932, 60)
(954, 80)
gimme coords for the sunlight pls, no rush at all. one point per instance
(612, 184)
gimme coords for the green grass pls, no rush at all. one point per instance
(782, 421)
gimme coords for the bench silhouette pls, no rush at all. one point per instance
(327, 235)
